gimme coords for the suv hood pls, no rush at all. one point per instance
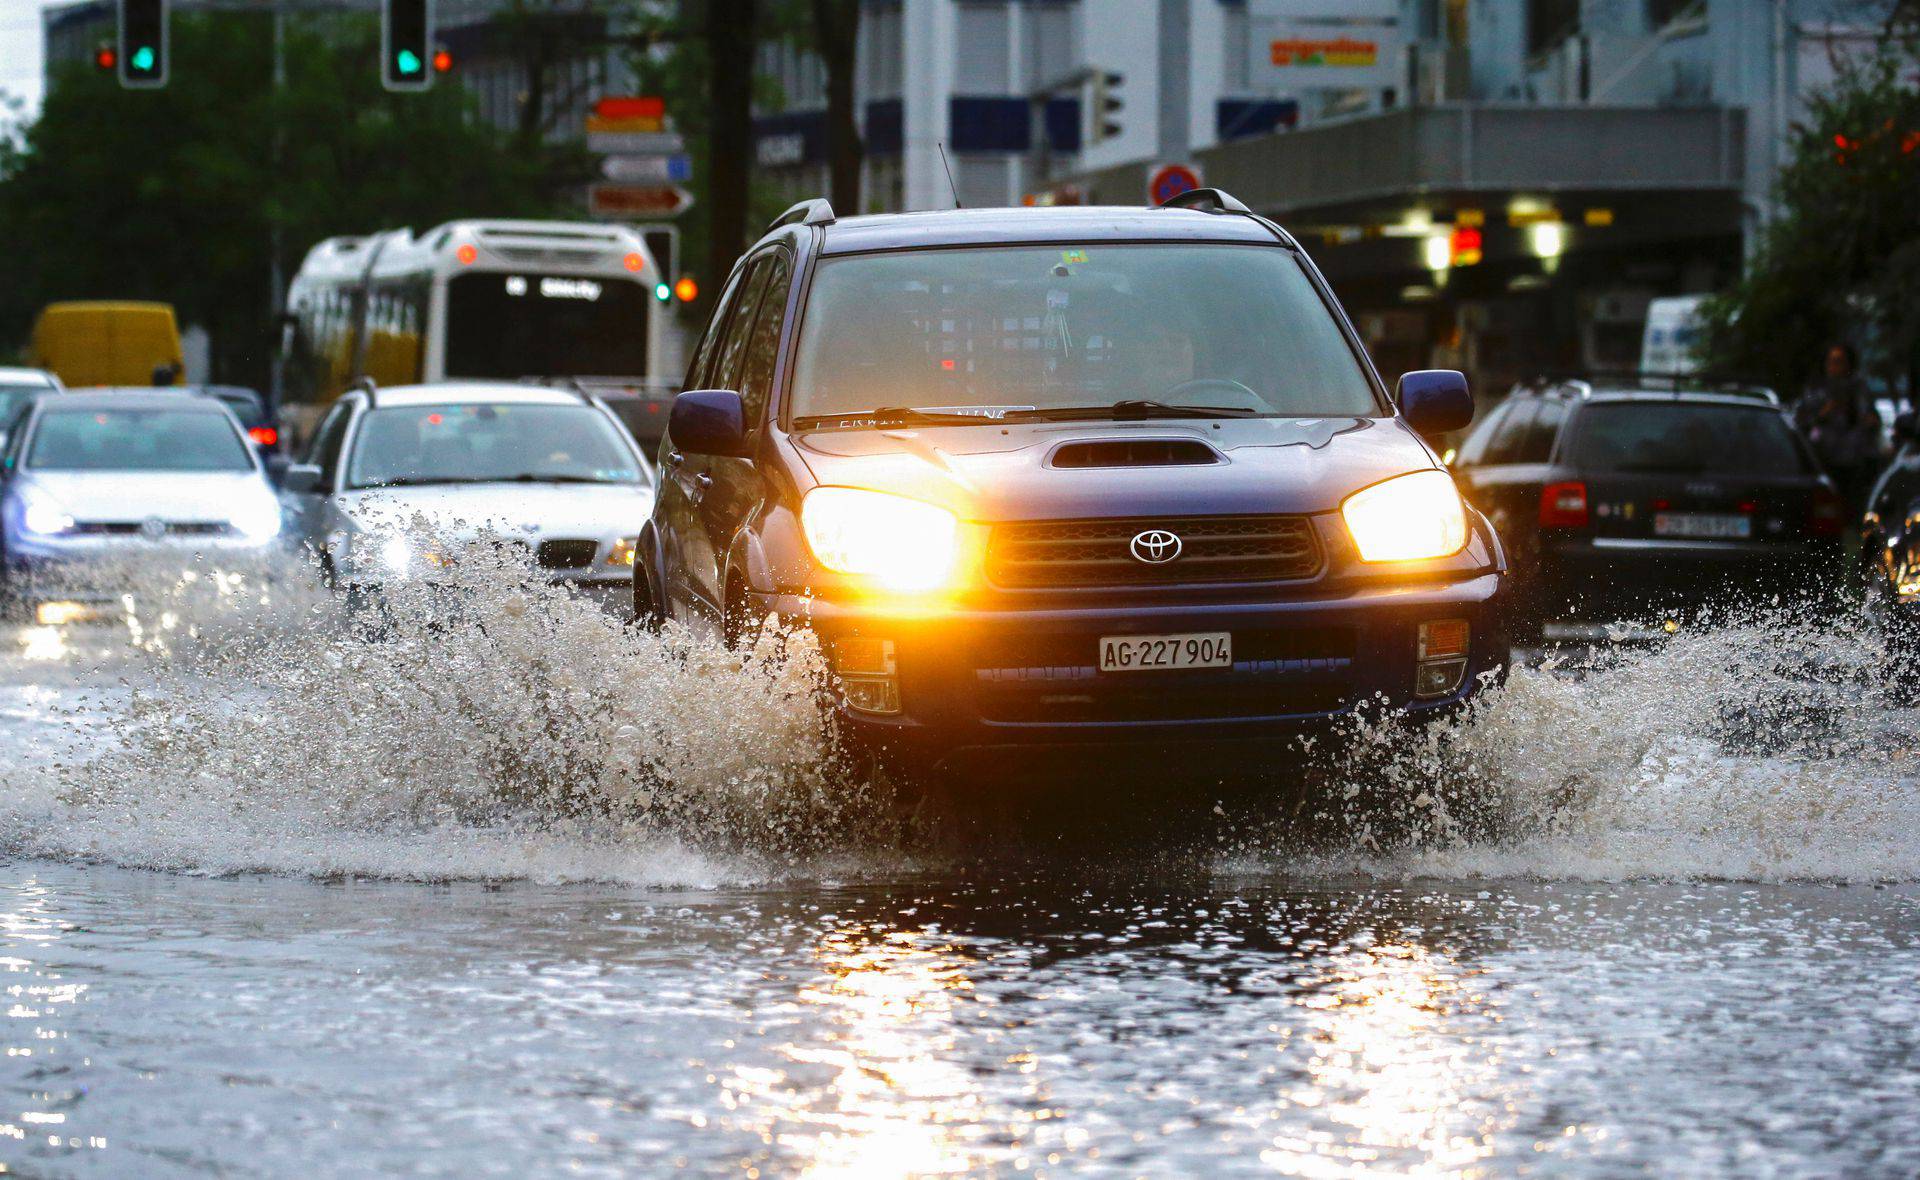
(1003, 471)
(463, 511)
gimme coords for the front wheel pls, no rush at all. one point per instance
(647, 614)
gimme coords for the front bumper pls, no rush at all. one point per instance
(97, 569)
(1023, 678)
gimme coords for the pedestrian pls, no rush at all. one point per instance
(1838, 417)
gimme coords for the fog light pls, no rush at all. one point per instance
(1443, 638)
(871, 694)
(1438, 678)
(59, 614)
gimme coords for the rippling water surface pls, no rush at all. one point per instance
(524, 894)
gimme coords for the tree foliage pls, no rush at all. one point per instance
(173, 194)
(1842, 261)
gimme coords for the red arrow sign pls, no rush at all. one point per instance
(638, 200)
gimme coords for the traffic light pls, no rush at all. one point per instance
(1105, 105)
(663, 242)
(106, 58)
(142, 53)
(408, 55)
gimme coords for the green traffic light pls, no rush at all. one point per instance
(142, 59)
(662, 292)
(407, 62)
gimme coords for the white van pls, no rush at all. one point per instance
(1672, 334)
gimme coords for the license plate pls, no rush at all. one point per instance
(1151, 653)
(1701, 524)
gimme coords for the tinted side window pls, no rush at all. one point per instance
(324, 452)
(700, 370)
(1505, 446)
(1536, 441)
(763, 343)
(729, 362)
(1474, 450)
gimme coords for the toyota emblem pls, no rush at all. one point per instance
(153, 528)
(1155, 546)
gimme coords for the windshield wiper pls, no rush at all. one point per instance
(538, 477)
(892, 414)
(1135, 409)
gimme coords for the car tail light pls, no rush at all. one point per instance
(1563, 506)
(265, 436)
(1828, 515)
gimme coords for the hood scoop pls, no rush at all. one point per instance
(1135, 452)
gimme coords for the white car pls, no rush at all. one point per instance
(397, 480)
(17, 388)
(96, 488)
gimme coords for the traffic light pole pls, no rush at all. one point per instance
(277, 284)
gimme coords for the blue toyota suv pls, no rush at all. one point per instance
(1086, 477)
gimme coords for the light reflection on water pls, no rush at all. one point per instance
(185, 1026)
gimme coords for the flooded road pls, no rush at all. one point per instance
(275, 901)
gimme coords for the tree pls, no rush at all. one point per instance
(836, 38)
(169, 194)
(1842, 260)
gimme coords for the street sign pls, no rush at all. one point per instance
(631, 201)
(636, 143)
(631, 106)
(1170, 180)
(643, 124)
(636, 169)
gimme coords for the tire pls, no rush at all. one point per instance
(647, 615)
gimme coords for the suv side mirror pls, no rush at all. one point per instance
(709, 422)
(301, 478)
(1434, 401)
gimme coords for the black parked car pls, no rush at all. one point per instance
(1095, 477)
(1625, 503)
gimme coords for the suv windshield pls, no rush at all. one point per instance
(455, 443)
(1685, 437)
(1047, 328)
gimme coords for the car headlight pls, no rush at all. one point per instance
(623, 551)
(396, 553)
(1407, 518)
(258, 519)
(901, 544)
(41, 514)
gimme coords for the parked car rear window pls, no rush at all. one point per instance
(1064, 325)
(137, 440)
(1683, 437)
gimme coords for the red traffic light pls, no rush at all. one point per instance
(442, 61)
(105, 59)
(686, 290)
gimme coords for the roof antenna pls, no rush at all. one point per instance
(949, 167)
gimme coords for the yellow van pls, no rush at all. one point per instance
(105, 343)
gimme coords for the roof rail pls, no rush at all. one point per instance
(1207, 200)
(1645, 381)
(365, 384)
(813, 211)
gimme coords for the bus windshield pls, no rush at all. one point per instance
(531, 325)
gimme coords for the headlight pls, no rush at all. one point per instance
(622, 551)
(1407, 518)
(39, 513)
(259, 519)
(901, 544)
(396, 553)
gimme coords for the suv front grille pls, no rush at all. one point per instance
(567, 555)
(1069, 554)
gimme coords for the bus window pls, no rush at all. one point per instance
(519, 325)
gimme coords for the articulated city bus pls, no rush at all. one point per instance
(481, 299)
